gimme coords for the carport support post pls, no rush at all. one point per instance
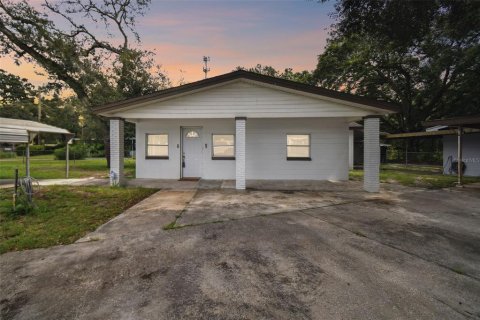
(27, 158)
(240, 165)
(67, 160)
(116, 151)
(371, 154)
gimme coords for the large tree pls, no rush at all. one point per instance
(86, 46)
(288, 73)
(17, 97)
(423, 55)
(91, 47)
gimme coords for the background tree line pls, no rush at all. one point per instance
(90, 49)
(422, 55)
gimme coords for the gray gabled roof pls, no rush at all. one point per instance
(242, 74)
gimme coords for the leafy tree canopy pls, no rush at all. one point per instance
(15, 89)
(288, 74)
(79, 49)
(423, 55)
(90, 47)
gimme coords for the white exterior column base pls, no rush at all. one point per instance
(240, 143)
(371, 154)
(116, 152)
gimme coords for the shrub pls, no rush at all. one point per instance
(52, 147)
(35, 150)
(77, 152)
(7, 154)
(96, 150)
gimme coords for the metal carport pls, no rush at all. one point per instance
(449, 126)
(17, 131)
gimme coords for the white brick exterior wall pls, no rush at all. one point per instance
(266, 149)
(240, 174)
(371, 154)
(116, 152)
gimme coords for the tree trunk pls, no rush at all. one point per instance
(107, 151)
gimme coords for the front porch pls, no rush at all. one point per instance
(247, 127)
(246, 168)
(274, 185)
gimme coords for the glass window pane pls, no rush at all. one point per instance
(298, 152)
(157, 151)
(192, 134)
(224, 151)
(298, 139)
(158, 139)
(223, 140)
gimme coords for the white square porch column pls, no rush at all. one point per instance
(240, 146)
(371, 154)
(116, 152)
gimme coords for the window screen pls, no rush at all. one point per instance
(298, 146)
(223, 146)
(157, 145)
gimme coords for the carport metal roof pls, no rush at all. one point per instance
(22, 131)
(472, 121)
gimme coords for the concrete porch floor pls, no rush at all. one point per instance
(173, 184)
(278, 185)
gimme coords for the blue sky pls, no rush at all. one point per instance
(233, 33)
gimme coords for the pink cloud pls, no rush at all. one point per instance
(231, 35)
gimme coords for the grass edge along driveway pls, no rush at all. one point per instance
(63, 215)
(46, 167)
(429, 177)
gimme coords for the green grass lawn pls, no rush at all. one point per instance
(415, 176)
(45, 167)
(63, 214)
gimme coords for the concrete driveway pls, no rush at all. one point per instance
(327, 254)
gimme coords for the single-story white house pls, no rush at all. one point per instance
(245, 126)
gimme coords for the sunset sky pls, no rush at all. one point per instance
(233, 33)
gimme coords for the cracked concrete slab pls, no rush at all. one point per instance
(403, 254)
(228, 204)
(150, 214)
(220, 205)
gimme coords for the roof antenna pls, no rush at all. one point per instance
(206, 69)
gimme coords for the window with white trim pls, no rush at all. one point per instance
(298, 147)
(157, 146)
(223, 146)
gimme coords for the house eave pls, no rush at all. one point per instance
(375, 106)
